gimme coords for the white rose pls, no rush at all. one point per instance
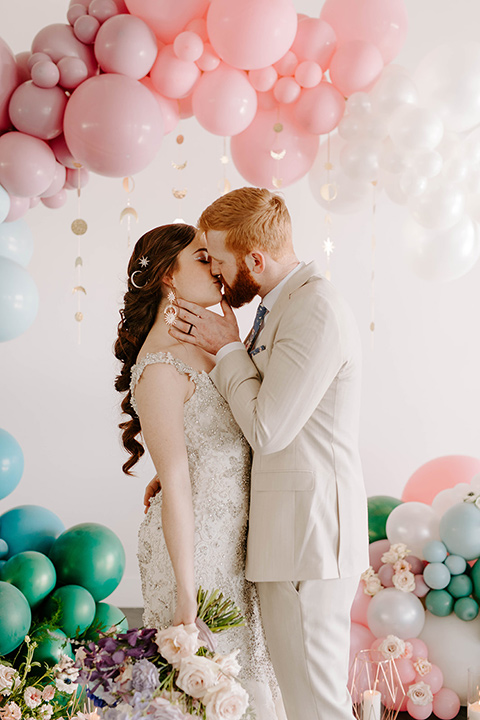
(404, 581)
(46, 710)
(228, 664)
(397, 551)
(422, 666)
(392, 647)
(177, 642)
(9, 679)
(226, 701)
(372, 585)
(367, 573)
(401, 566)
(32, 696)
(11, 712)
(197, 675)
(420, 693)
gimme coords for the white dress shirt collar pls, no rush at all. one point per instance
(271, 297)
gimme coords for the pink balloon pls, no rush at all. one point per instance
(360, 604)
(355, 65)
(75, 11)
(383, 23)
(34, 201)
(185, 107)
(10, 78)
(446, 704)
(420, 650)
(199, 27)
(416, 565)
(77, 178)
(406, 670)
(22, 65)
(121, 7)
(266, 101)
(126, 45)
(224, 102)
(38, 111)
(434, 678)
(61, 151)
(45, 74)
(73, 71)
(168, 107)
(419, 712)
(102, 9)
(421, 587)
(35, 58)
(85, 3)
(287, 64)
(251, 150)
(385, 573)
(360, 639)
(263, 79)
(188, 46)
(320, 109)
(167, 18)
(59, 40)
(376, 550)
(253, 33)
(172, 77)
(27, 164)
(58, 181)
(113, 125)
(286, 90)
(308, 74)
(55, 201)
(315, 40)
(209, 59)
(440, 474)
(18, 208)
(86, 29)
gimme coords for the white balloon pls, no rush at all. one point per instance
(415, 129)
(412, 183)
(359, 103)
(471, 146)
(428, 164)
(449, 145)
(473, 206)
(413, 523)
(472, 186)
(351, 127)
(394, 612)
(394, 87)
(446, 499)
(390, 158)
(391, 183)
(455, 171)
(360, 160)
(439, 208)
(442, 255)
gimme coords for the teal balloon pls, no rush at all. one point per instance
(379, 508)
(434, 551)
(77, 609)
(3, 548)
(30, 527)
(31, 572)
(475, 575)
(466, 608)
(15, 617)
(16, 241)
(52, 643)
(460, 586)
(107, 616)
(460, 530)
(436, 575)
(11, 462)
(18, 299)
(439, 602)
(4, 204)
(90, 555)
(456, 564)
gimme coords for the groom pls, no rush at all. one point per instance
(294, 390)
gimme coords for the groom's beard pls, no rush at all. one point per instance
(243, 289)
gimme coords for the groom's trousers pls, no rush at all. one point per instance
(307, 627)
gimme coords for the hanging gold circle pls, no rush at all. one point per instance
(128, 184)
(78, 316)
(77, 165)
(79, 226)
(329, 191)
(226, 186)
(278, 127)
(179, 194)
(372, 326)
(180, 139)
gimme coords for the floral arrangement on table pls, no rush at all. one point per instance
(166, 674)
(400, 569)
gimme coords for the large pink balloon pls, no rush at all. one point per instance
(168, 106)
(381, 22)
(251, 150)
(27, 164)
(355, 66)
(315, 40)
(375, 552)
(439, 474)
(172, 77)
(361, 601)
(360, 639)
(62, 152)
(167, 18)
(223, 101)
(126, 45)
(252, 33)
(319, 109)
(9, 79)
(59, 41)
(18, 208)
(38, 111)
(113, 125)
(58, 181)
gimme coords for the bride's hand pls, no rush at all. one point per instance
(153, 487)
(185, 612)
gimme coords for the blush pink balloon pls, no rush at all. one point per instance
(168, 107)
(27, 164)
(355, 65)
(361, 601)
(315, 40)
(18, 208)
(308, 74)
(185, 107)
(10, 78)
(287, 64)
(416, 565)
(126, 45)
(58, 181)
(113, 125)
(224, 102)
(74, 12)
(102, 9)
(375, 552)
(383, 23)
(188, 46)
(209, 59)
(419, 648)
(320, 109)
(22, 59)
(251, 150)
(55, 201)
(73, 71)
(446, 704)
(38, 111)
(58, 41)
(35, 58)
(199, 27)
(61, 151)
(172, 77)
(86, 29)
(263, 79)
(251, 34)
(421, 587)
(385, 573)
(167, 18)
(434, 678)
(286, 90)
(76, 178)
(34, 201)
(45, 74)
(360, 639)
(419, 712)
(266, 101)
(406, 670)
(440, 474)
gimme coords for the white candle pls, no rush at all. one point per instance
(473, 712)
(372, 705)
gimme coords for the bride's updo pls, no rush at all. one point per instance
(154, 256)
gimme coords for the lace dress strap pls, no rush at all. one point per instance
(159, 357)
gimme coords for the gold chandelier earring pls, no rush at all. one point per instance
(170, 313)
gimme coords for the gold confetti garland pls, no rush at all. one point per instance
(179, 193)
(79, 227)
(329, 192)
(373, 251)
(128, 211)
(224, 185)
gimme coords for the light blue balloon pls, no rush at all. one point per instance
(4, 203)
(30, 527)
(436, 576)
(434, 551)
(18, 299)
(16, 241)
(11, 463)
(460, 530)
(456, 564)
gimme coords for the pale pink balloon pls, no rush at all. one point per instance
(320, 109)
(419, 648)
(126, 45)
(416, 565)
(113, 125)
(37, 57)
(405, 670)
(59, 40)
(58, 181)
(172, 77)
(73, 71)
(38, 111)
(421, 587)
(22, 59)
(419, 712)
(55, 201)
(253, 33)
(167, 18)
(263, 79)
(185, 107)
(188, 46)
(287, 64)
(85, 3)
(75, 11)
(308, 74)
(168, 107)
(86, 29)
(76, 178)
(355, 65)
(267, 101)
(18, 207)
(383, 23)
(199, 27)
(27, 164)
(446, 704)
(360, 639)
(361, 601)
(315, 40)
(121, 7)
(209, 59)
(439, 474)
(62, 152)
(385, 573)
(10, 78)
(102, 9)
(45, 74)
(286, 90)
(400, 702)
(34, 201)
(434, 678)
(224, 102)
(251, 150)
(376, 550)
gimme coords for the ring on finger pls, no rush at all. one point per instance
(189, 331)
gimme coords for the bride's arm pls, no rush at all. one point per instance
(160, 396)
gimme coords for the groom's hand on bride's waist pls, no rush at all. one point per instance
(153, 487)
(208, 330)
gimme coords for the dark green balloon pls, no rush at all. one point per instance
(466, 608)
(107, 616)
(90, 555)
(33, 573)
(15, 617)
(460, 586)
(439, 602)
(379, 508)
(77, 609)
(475, 575)
(51, 645)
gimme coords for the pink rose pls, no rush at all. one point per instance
(9, 679)
(422, 666)
(178, 642)
(197, 675)
(33, 697)
(11, 712)
(227, 700)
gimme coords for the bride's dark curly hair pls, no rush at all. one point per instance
(154, 256)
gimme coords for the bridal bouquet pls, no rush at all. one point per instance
(167, 674)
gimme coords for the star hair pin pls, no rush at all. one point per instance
(144, 261)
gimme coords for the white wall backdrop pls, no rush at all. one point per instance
(421, 392)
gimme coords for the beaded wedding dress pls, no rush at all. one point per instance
(219, 464)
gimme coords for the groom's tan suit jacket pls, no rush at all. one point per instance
(297, 401)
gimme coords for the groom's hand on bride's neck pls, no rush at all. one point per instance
(153, 487)
(206, 329)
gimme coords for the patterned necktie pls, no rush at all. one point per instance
(257, 326)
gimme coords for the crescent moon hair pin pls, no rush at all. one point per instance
(132, 280)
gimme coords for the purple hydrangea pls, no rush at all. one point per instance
(145, 676)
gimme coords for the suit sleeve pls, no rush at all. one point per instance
(305, 359)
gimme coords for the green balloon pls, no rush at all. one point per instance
(379, 508)
(77, 609)
(31, 572)
(460, 586)
(466, 608)
(475, 575)
(90, 555)
(15, 617)
(439, 602)
(52, 643)
(107, 616)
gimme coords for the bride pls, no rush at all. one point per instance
(194, 532)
